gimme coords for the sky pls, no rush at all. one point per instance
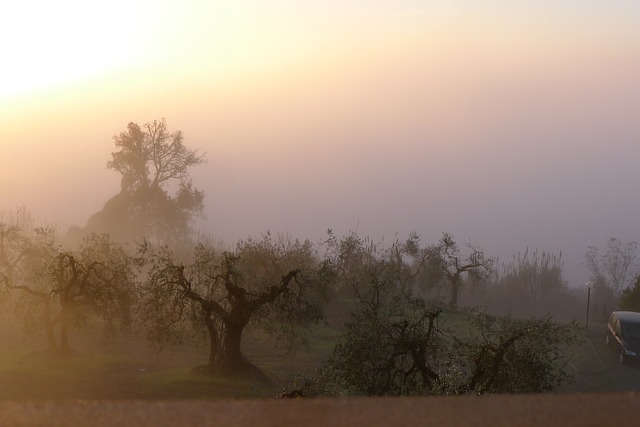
(510, 125)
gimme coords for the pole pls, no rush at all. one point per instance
(586, 326)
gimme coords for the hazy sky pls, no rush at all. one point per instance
(509, 124)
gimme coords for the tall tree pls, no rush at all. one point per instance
(150, 157)
(616, 268)
(277, 283)
(456, 266)
(157, 199)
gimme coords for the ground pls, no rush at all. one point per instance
(596, 367)
(130, 370)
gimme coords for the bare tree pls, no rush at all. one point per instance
(616, 268)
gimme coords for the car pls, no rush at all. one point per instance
(623, 332)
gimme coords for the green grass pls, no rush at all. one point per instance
(182, 383)
(584, 358)
(131, 371)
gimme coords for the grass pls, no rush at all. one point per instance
(182, 383)
(131, 371)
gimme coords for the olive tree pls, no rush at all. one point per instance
(274, 283)
(455, 266)
(417, 354)
(397, 342)
(61, 287)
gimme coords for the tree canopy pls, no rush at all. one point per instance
(157, 199)
(61, 287)
(150, 157)
(454, 266)
(616, 268)
(277, 283)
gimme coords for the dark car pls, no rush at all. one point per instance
(623, 332)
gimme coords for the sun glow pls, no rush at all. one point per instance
(47, 44)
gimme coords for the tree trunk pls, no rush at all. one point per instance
(214, 341)
(231, 357)
(64, 337)
(49, 326)
(455, 288)
(64, 328)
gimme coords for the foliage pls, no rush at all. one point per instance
(277, 283)
(538, 275)
(388, 354)
(150, 157)
(510, 355)
(616, 268)
(454, 266)
(534, 283)
(630, 297)
(61, 287)
(360, 265)
(152, 161)
(399, 343)
(413, 355)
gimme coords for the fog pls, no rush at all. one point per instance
(509, 127)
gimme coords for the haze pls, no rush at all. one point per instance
(509, 126)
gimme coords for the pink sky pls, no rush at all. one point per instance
(510, 126)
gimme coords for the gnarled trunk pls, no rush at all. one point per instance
(214, 340)
(231, 358)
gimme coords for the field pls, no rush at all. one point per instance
(128, 369)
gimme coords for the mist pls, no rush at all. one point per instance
(507, 136)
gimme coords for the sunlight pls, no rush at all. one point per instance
(47, 44)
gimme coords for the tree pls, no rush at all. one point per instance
(383, 353)
(152, 161)
(277, 284)
(13, 248)
(149, 159)
(455, 267)
(630, 297)
(511, 355)
(616, 268)
(413, 355)
(538, 275)
(61, 287)
(533, 282)
(398, 343)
